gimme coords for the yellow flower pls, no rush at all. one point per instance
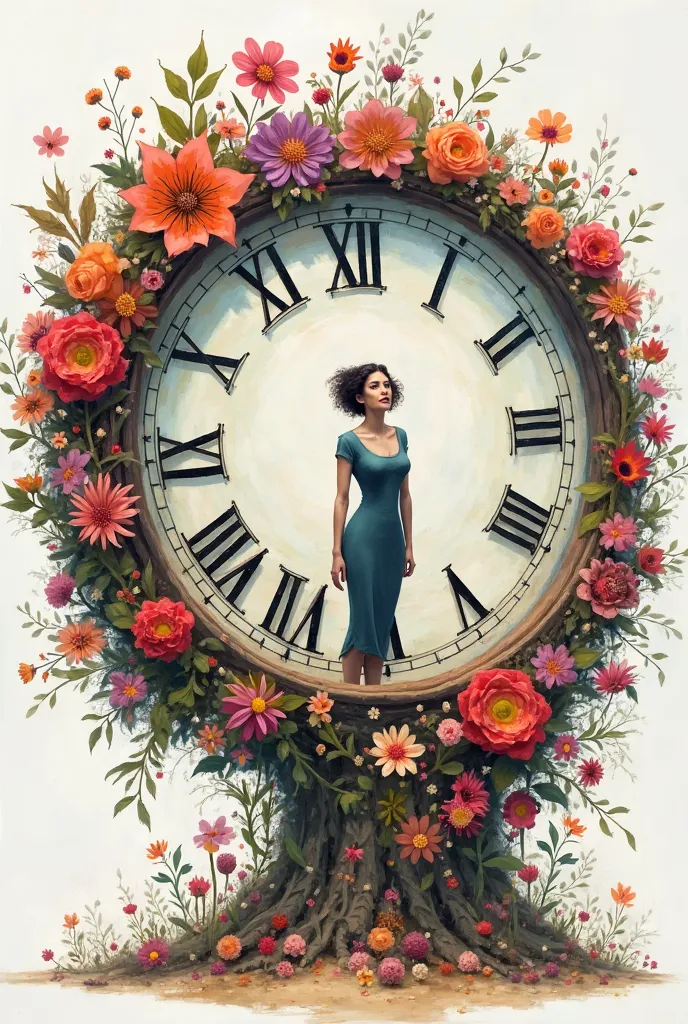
(365, 976)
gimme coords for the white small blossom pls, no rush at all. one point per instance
(486, 769)
(604, 346)
(136, 261)
(472, 182)
(366, 887)
(295, 192)
(419, 707)
(397, 184)
(573, 288)
(449, 844)
(576, 280)
(502, 945)
(97, 594)
(136, 590)
(553, 258)
(374, 713)
(243, 905)
(586, 627)
(447, 873)
(272, 885)
(478, 199)
(309, 869)
(419, 971)
(432, 789)
(545, 948)
(486, 196)
(192, 956)
(358, 760)
(427, 935)
(446, 706)
(100, 432)
(62, 413)
(119, 410)
(195, 719)
(222, 671)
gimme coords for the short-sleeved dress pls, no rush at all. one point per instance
(373, 545)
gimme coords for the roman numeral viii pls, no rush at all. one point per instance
(519, 520)
(191, 353)
(464, 597)
(207, 446)
(286, 593)
(368, 264)
(214, 547)
(269, 298)
(507, 340)
(535, 428)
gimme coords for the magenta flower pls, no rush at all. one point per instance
(520, 810)
(265, 70)
(554, 666)
(472, 792)
(59, 590)
(614, 677)
(71, 472)
(590, 772)
(50, 143)
(608, 586)
(154, 953)
(254, 708)
(353, 853)
(285, 149)
(199, 886)
(566, 748)
(152, 280)
(212, 837)
(127, 689)
(619, 533)
(226, 863)
(391, 895)
(651, 386)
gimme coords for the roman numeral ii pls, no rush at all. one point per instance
(507, 340)
(519, 520)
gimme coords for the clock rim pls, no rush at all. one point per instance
(602, 411)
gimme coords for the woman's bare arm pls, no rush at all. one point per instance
(341, 502)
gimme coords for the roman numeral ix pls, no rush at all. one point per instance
(369, 267)
(290, 585)
(269, 298)
(507, 340)
(535, 428)
(208, 446)
(464, 597)
(519, 520)
(216, 363)
(214, 547)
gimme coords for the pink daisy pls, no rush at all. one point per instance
(472, 791)
(514, 191)
(620, 533)
(590, 772)
(655, 428)
(520, 810)
(265, 70)
(35, 327)
(618, 301)
(614, 677)
(213, 836)
(154, 953)
(651, 386)
(566, 748)
(554, 666)
(254, 707)
(50, 143)
(102, 510)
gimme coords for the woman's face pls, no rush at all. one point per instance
(377, 392)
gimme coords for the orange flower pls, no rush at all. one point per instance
(33, 378)
(122, 307)
(104, 123)
(70, 920)
(187, 198)
(319, 707)
(243, 980)
(156, 851)
(622, 895)
(229, 129)
(574, 826)
(549, 129)
(210, 738)
(558, 168)
(92, 272)
(26, 672)
(380, 939)
(122, 72)
(545, 227)
(229, 947)
(545, 195)
(376, 138)
(33, 406)
(80, 641)
(365, 976)
(342, 56)
(419, 837)
(93, 96)
(59, 439)
(629, 464)
(455, 152)
(137, 112)
(29, 483)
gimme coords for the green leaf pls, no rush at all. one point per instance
(584, 657)
(364, 782)
(144, 816)
(548, 791)
(176, 85)
(504, 863)
(298, 773)
(283, 750)
(452, 768)
(640, 238)
(593, 492)
(270, 112)
(176, 857)
(421, 107)
(240, 107)
(604, 827)
(208, 84)
(201, 663)
(121, 804)
(591, 521)
(197, 64)
(476, 74)
(200, 128)
(46, 221)
(458, 90)
(427, 881)
(212, 763)
(94, 737)
(291, 701)
(120, 614)
(294, 851)
(87, 214)
(503, 773)
(172, 124)
(485, 97)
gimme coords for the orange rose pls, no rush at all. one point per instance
(455, 152)
(545, 227)
(92, 272)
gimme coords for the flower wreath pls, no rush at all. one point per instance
(517, 738)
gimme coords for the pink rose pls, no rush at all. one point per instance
(609, 586)
(81, 358)
(594, 250)
(449, 731)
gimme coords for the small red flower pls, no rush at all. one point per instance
(47, 955)
(483, 928)
(130, 908)
(116, 449)
(212, 662)
(650, 560)
(452, 882)
(266, 945)
(590, 772)
(629, 464)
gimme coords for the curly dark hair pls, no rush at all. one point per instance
(349, 381)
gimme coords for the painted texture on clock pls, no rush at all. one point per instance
(279, 430)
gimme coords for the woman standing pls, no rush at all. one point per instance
(375, 550)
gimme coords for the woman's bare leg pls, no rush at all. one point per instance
(352, 663)
(372, 669)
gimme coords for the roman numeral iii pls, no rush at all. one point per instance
(214, 547)
(207, 446)
(368, 265)
(519, 520)
(269, 298)
(507, 340)
(535, 428)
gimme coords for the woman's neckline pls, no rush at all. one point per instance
(396, 431)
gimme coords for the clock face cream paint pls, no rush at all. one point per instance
(273, 455)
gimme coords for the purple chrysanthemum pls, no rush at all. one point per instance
(285, 149)
(59, 589)
(218, 967)
(70, 472)
(153, 953)
(127, 689)
(415, 946)
(554, 666)
(226, 863)
(391, 971)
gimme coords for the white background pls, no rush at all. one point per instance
(60, 846)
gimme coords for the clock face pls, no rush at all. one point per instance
(237, 434)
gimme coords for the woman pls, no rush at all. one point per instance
(373, 553)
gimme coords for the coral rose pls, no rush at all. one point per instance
(503, 713)
(92, 272)
(455, 152)
(544, 227)
(594, 250)
(163, 629)
(81, 358)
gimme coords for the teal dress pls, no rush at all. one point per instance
(373, 545)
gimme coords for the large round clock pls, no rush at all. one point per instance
(236, 434)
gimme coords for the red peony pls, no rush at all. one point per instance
(594, 250)
(81, 358)
(163, 629)
(650, 560)
(503, 713)
(609, 586)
